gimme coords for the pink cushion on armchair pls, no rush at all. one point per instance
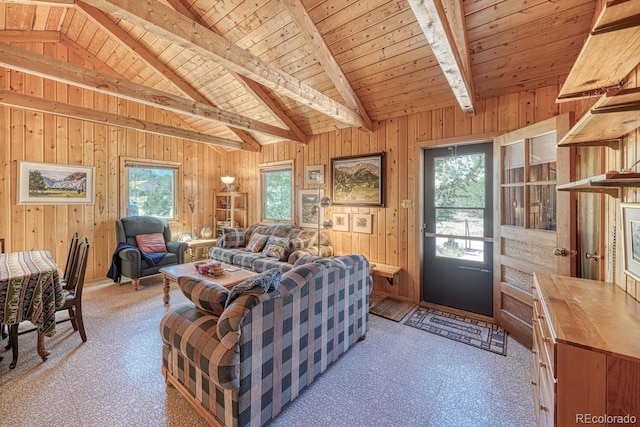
(148, 243)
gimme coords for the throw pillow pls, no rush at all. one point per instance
(149, 243)
(275, 246)
(257, 242)
(294, 245)
(231, 238)
(207, 296)
(264, 282)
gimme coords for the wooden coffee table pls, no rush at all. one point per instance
(228, 279)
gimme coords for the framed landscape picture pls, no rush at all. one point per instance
(631, 238)
(358, 180)
(308, 208)
(50, 184)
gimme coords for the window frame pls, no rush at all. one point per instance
(128, 162)
(273, 167)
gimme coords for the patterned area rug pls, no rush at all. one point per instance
(476, 333)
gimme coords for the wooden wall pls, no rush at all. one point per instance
(396, 237)
(30, 136)
(630, 155)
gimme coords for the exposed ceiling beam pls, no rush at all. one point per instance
(19, 36)
(74, 48)
(320, 49)
(175, 28)
(40, 105)
(44, 66)
(60, 3)
(432, 18)
(252, 88)
(154, 63)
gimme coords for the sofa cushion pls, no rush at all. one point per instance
(262, 264)
(278, 230)
(257, 242)
(245, 259)
(231, 238)
(206, 295)
(275, 246)
(225, 255)
(149, 243)
(264, 282)
(293, 245)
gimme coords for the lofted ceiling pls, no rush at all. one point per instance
(243, 73)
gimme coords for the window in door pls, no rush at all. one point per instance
(529, 183)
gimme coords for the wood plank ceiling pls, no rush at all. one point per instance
(246, 73)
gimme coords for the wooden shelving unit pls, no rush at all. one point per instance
(600, 184)
(600, 67)
(231, 211)
(613, 116)
(609, 54)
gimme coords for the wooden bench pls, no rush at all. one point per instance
(390, 272)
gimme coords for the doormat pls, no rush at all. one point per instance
(390, 308)
(476, 333)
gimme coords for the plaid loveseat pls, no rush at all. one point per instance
(231, 247)
(242, 367)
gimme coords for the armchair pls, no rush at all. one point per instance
(133, 262)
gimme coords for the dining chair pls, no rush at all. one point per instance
(72, 291)
(71, 259)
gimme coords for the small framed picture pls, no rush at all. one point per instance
(362, 223)
(314, 174)
(631, 238)
(340, 221)
(309, 213)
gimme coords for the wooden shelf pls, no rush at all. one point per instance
(613, 116)
(610, 53)
(600, 184)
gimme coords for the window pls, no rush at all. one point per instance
(277, 191)
(151, 189)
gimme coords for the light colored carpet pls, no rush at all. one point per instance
(397, 376)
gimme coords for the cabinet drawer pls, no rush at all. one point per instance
(546, 398)
(545, 351)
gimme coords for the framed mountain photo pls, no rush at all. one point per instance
(358, 180)
(52, 184)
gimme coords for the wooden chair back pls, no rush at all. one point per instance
(71, 259)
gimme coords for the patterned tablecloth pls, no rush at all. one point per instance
(30, 289)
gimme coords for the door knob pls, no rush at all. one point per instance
(594, 256)
(560, 252)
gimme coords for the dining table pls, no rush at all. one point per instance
(30, 289)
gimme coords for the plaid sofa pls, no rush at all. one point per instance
(231, 247)
(242, 367)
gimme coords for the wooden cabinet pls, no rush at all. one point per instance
(586, 353)
(231, 211)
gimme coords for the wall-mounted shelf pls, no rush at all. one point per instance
(610, 53)
(601, 184)
(614, 115)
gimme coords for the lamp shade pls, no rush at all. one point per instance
(228, 179)
(325, 202)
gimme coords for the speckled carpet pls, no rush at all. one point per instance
(476, 333)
